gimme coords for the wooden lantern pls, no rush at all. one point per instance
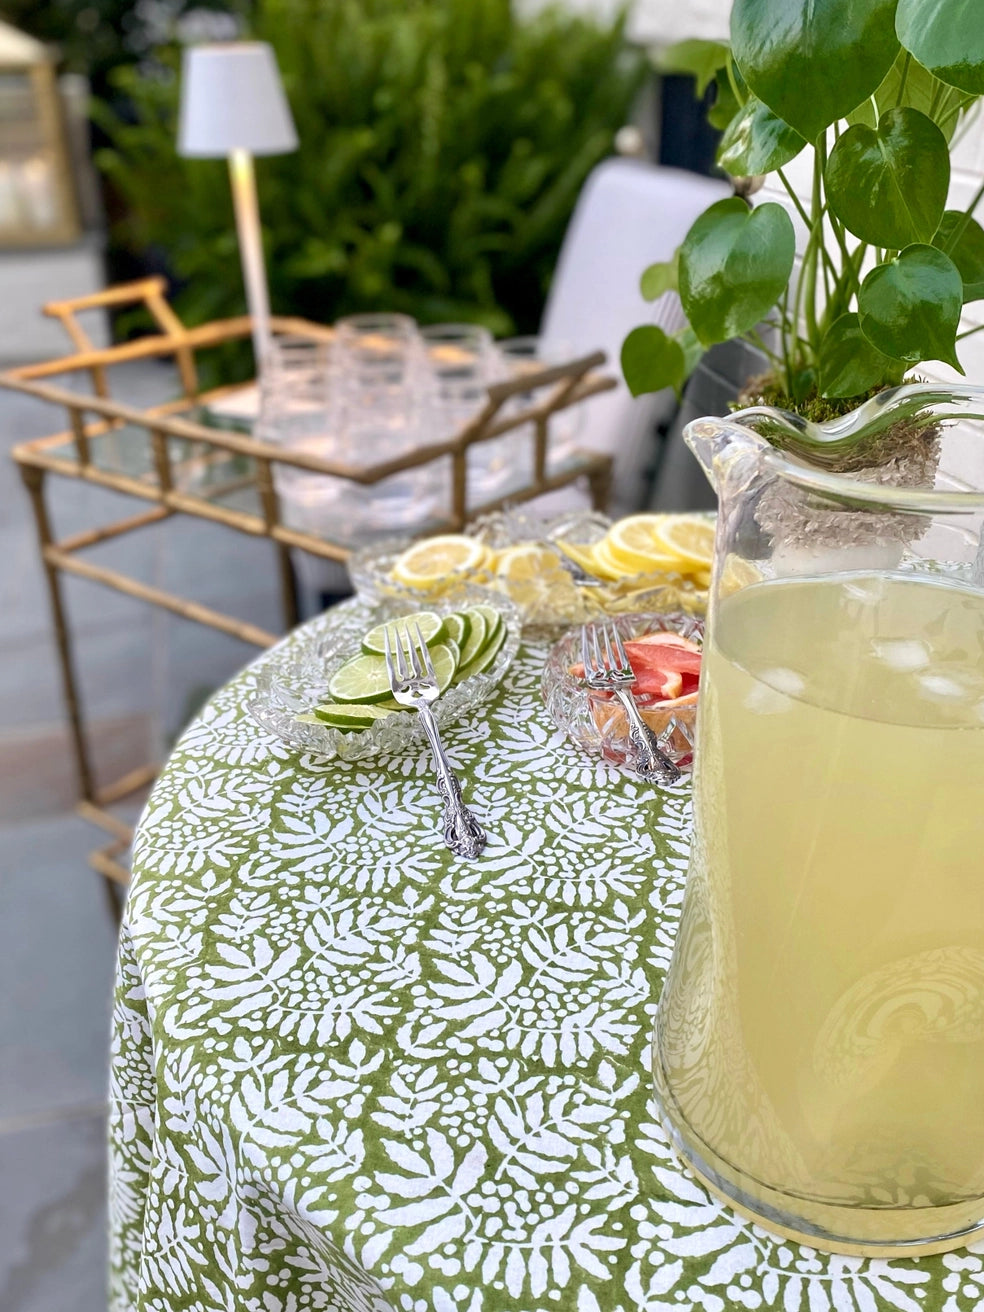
(37, 197)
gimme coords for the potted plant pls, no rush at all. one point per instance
(875, 90)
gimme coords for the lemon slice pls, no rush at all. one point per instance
(581, 554)
(607, 564)
(633, 543)
(531, 575)
(430, 561)
(527, 561)
(737, 573)
(687, 537)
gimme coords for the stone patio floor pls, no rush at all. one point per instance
(143, 672)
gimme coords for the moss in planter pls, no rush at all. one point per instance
(905, 455)
(764, 389)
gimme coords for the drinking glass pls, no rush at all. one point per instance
(297, 413)
(528, 355)
(456, 368)
(382, 415)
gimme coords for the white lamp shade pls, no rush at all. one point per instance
(232, 99)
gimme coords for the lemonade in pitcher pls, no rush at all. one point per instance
(820, 1047)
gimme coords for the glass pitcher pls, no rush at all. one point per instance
(819, 1047)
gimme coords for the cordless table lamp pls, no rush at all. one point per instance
(233, 106)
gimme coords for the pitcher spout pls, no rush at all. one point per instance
(720, 445)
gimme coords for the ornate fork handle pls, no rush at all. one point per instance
(651, 761)
(462, 832)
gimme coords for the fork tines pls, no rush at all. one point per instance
(609, 658)
(394, 670)
(407, 656)
(425, 652)
(621, 659)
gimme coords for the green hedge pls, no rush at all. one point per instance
(443, 145)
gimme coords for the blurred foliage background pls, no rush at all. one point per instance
(443, 145)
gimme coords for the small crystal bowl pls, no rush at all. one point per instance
(294, 678)
(595, 721)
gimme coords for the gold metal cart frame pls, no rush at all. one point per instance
(178, 446)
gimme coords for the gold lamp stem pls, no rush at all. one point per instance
(243, 181)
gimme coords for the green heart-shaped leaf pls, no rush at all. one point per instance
(693, 352)
(918, 90)
(849, 364)
(734, 264)
(967, 252)
(726, 104)
(659, 278)
(947, 36)
(910, 307)
(757, 141)
(651, 360)
(888, 184)
(702, 59)
(813, 61)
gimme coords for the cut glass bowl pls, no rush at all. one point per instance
(595, 722)
(294, 678)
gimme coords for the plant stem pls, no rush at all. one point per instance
(964, 223)
(801, 211)
(800, 208)
(825, 267)
(731, 78)
(784, 339)
(755, 337)
(934, 104)
(816, 243)
(905, 74)
(956, 109)
(969, 332)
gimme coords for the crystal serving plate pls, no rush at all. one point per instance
(545, 605)
(597, 723)
(295, 679)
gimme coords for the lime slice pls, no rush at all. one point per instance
(492, 617)
(485, 657)
(475, 641)
(456, 627)
(352, 715)
(362, 679)
(431, 630)
(445, 658)
(388, 704)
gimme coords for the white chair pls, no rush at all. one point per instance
(630, 214)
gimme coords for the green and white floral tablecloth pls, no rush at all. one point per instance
(353, 1074)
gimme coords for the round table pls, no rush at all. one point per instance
(353, 1073)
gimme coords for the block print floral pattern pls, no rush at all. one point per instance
(353, 1075)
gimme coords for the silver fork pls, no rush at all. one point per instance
(574, 568)
(607, 669)
(413, 683)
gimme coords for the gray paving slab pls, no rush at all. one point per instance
(57, 956)
(53, 1249)
(197, 661)
(115, 665)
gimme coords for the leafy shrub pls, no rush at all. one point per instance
(443, 145)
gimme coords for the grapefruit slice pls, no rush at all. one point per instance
(666, 657)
